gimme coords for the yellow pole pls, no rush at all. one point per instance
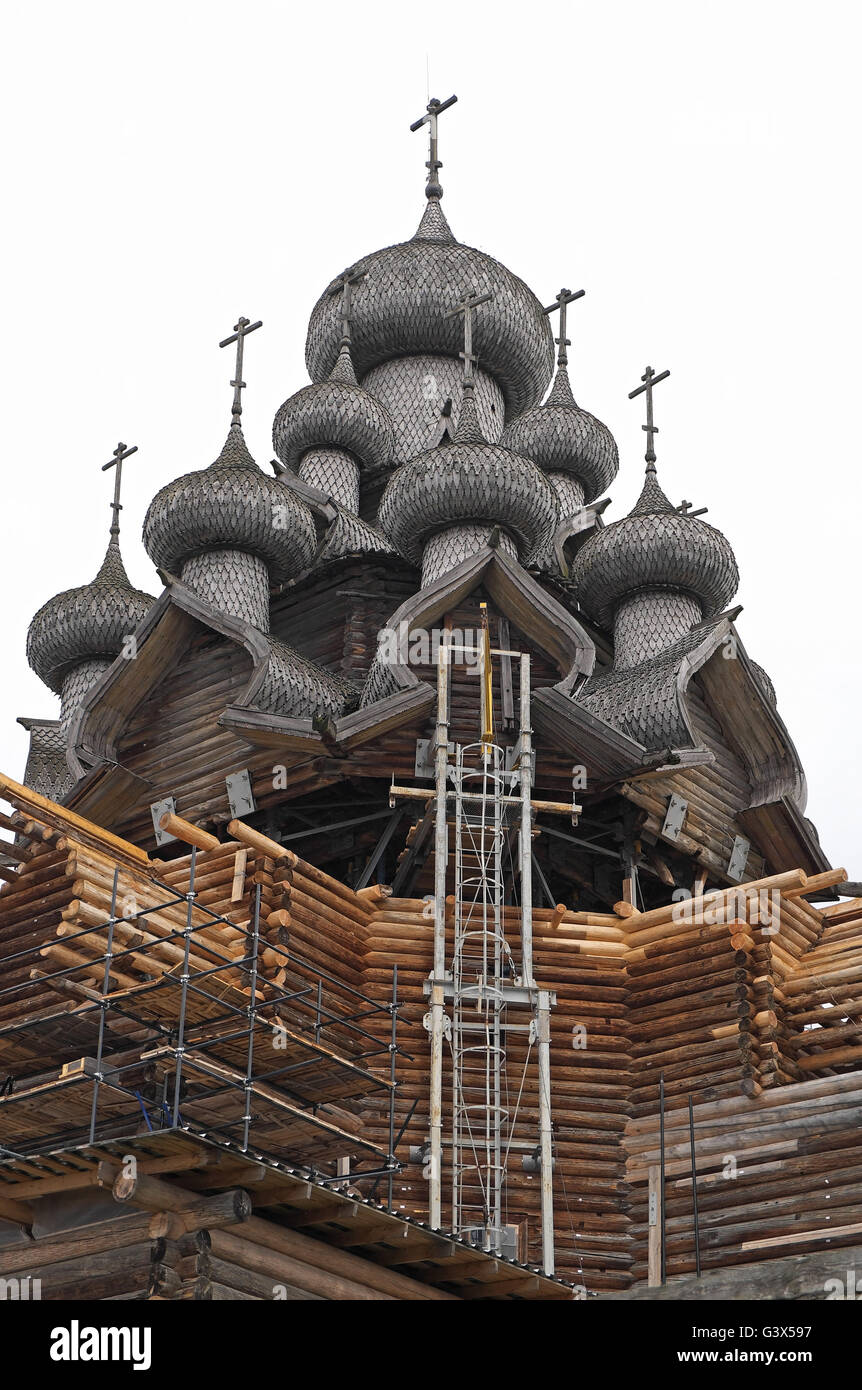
(487, 680)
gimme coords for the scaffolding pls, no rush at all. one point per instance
(481, 798)
(201, 1039)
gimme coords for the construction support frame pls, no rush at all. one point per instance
(445, 984)
(206, 1021)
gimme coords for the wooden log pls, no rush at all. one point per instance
(375, 893)
(262, 844)
(188, 833)
(817, 881)
(691, 910)
(43, 810)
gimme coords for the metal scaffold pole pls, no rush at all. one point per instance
(543, 1018)
(441, 850)
(526, 768)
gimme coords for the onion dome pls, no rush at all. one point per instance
(654, 547)
(396, 312)
(230, 505)
(86, 624)
(334, 413)
(467, 481)
(562, 438)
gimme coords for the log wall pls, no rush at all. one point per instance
(750, 1004)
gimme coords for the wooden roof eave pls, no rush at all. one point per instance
(751, 723)
(784, 836)
(517, 595)
(265, 730)
(608, 753)
(160, 638)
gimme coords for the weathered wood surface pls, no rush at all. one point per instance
(793, 1277)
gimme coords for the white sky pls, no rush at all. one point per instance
(695, 167)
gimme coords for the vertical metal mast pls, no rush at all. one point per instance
(441, 854)
(478, 799)
(526, 839)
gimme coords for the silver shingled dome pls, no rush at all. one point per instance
(397, 312)
(654, 547)
(232, 505)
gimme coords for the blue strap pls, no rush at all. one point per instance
(144, 1110)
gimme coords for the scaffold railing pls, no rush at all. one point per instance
(179, 1026)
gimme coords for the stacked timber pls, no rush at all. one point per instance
(778, 1174)
(158, 930)
(207, 1248)
(168, 1243)
(32, 903)
(823, 997)
(581, 957)
(706, 980)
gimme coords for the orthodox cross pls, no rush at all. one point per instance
(468, 307)
(649, 380)
(432, 111)
(121, 453)
(563, 299)
(343, 285)
(241, 331)
(684, 509)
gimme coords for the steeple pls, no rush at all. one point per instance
(576, 451)
(77, 634)
(649, 381)
(229, 530)
(327, 431)
(121, 453)
(657, 572)
(113, 570)
(433, 225)
(468, 430)
(561, 303)
(241, 331)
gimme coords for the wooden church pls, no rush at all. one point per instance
(419, 887)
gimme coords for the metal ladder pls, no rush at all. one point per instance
(481, 965)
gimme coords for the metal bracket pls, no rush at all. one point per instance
(428, 1026)
(738, 858)
(239, 794)
(424, 765)
(512, 994)
(675, 818)
(514, 756)
(653, 1209)
(157, 810)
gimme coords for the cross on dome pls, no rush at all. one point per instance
(562, 301)
(241, 331)
(468, 307)
(121, 453)
(433, 164)
(649, 380)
